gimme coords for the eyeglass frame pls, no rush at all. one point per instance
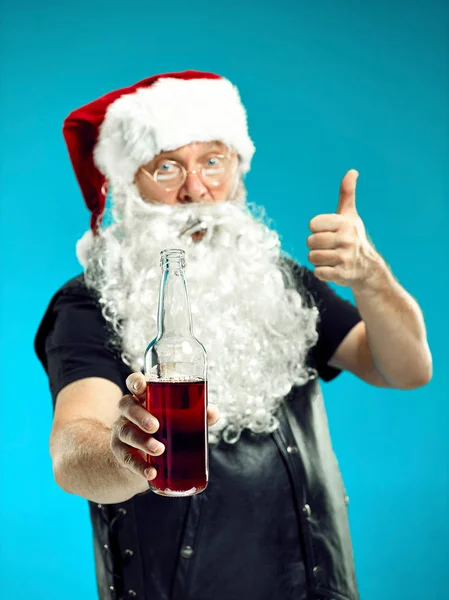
(184, 171)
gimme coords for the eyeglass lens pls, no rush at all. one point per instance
(213, 170)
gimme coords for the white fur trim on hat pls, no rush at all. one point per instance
(170, 114)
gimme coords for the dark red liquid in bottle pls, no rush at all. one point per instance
(180, 407)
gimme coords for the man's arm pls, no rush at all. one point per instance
(83, 462)
(389, 347)
(100, 439)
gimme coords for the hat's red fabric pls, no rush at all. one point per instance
(81, 129)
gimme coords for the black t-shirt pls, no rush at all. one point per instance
(72, 341)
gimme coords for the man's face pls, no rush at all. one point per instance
(215, 169)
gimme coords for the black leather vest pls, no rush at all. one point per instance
(271, 525)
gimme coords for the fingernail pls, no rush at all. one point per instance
(151, 425)
(136, 385)
(150, 473)
(155, 446)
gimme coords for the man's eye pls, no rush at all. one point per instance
(213, 161)
(168, 172)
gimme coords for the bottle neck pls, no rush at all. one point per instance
(174, 315)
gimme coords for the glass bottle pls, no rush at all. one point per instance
(176, 374)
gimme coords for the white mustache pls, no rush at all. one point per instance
(220, 224)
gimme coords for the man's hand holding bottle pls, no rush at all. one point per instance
(132, 437)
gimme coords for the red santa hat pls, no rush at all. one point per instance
(111, 137)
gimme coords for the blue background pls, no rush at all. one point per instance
(328, 87)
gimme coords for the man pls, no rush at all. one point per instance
(272, 523)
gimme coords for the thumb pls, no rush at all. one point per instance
(137, 385)
(346, 201)
(213, 414)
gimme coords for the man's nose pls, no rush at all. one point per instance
(193, 189)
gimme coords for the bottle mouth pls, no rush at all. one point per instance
(173, 258)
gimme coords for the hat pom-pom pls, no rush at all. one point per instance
(84, 246)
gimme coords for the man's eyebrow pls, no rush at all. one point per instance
(166, 154)
(207, 148)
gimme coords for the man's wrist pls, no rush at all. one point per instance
(379, 280)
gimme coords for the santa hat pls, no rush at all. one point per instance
(111, 137)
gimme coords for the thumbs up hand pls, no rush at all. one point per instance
(339, 247)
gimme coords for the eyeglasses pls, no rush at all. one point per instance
(213, 170)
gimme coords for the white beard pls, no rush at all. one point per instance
(247, 312)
